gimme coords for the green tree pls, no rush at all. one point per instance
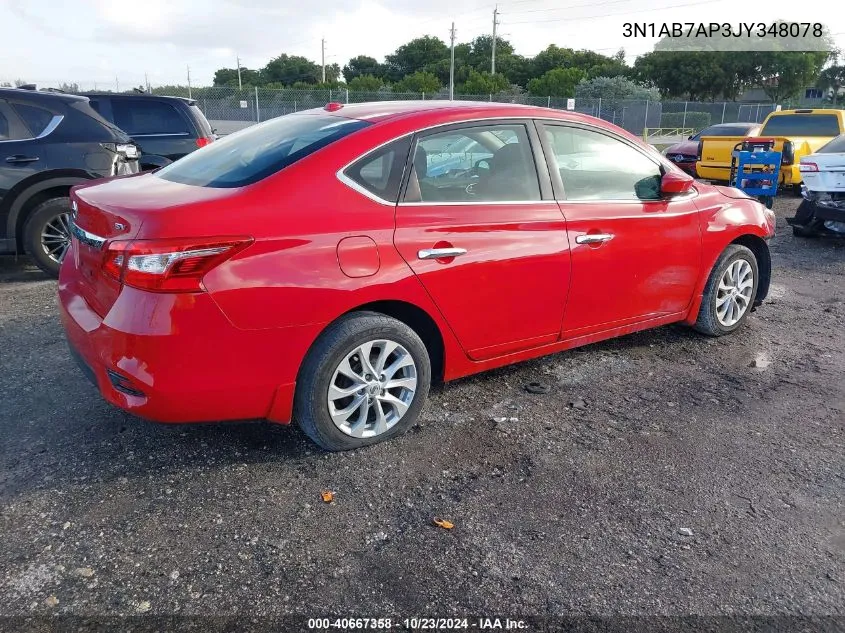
(289, 69)
(483, 83)
(362, 65)
(832, 78)
(558, 82)
(365, 83)
(783, 74)
(418, 82)
(414, 56)
(614, 89)
(229, 77)
(696, 75)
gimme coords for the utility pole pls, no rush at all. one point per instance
(116, 84)
(495, 24)
(323, 57)
(452, 64)
(147, 82)
(190, 96)
(240, 87)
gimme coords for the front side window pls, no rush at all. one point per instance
(258, 151)
(802, 125)
(490, 163)
(594, 166)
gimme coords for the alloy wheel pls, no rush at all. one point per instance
(734, 294)
(372, 388)
(55, 237)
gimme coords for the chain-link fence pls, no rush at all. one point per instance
(230, 109)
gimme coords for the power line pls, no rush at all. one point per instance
(610, 15)
(572, 6)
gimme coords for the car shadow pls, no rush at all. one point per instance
(17, 268)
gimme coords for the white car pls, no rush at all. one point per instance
(823, 207)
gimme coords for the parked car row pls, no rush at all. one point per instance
(685, 154)
(51, 141)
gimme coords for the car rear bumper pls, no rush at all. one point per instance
(177, 359)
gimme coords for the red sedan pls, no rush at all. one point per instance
(326, 266)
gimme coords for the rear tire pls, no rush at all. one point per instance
(46, 234)
(807, 225)
(373, 411)
(727, 302)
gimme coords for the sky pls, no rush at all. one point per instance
(109, 42)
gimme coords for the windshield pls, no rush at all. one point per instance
(252, 154)
(802, 125)
(836, 146)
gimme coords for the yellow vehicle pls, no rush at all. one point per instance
(796, 133)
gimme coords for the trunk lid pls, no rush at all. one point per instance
(117, 209)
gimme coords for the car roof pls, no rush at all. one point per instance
(140, 95)
(18, 93)
(386, 110)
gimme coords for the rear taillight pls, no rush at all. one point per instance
(788, 153)
(168, 265)
(807, 167)
(202, 141)
(698, 151)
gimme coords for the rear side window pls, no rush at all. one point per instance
(836, 146)
(137, 117)
(201, 121)
(35, 118)
(258, 151)
(802, 125)
(4, 127)
(380, 171)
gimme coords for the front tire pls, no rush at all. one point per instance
(729, 293)
(364, 381)
(46, 234)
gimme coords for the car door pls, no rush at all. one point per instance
(635, 253)
(157, 127)
(480, 228)
(22, 153)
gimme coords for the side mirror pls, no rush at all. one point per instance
(672, 183)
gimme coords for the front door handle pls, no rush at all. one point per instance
(17, 158)
(594, 238)
(440, 253)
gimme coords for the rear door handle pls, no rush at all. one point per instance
(17, 158)
(594, 238)
(440, 253)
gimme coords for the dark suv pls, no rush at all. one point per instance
(164, 128)
(49, 142)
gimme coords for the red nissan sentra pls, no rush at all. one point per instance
(326, 266)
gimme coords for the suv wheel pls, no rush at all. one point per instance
(46, 234)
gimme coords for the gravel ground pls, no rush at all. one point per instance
(664, 473)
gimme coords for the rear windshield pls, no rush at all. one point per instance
(836, 146)
(802, 125)
(258, 151)
(726, 130)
